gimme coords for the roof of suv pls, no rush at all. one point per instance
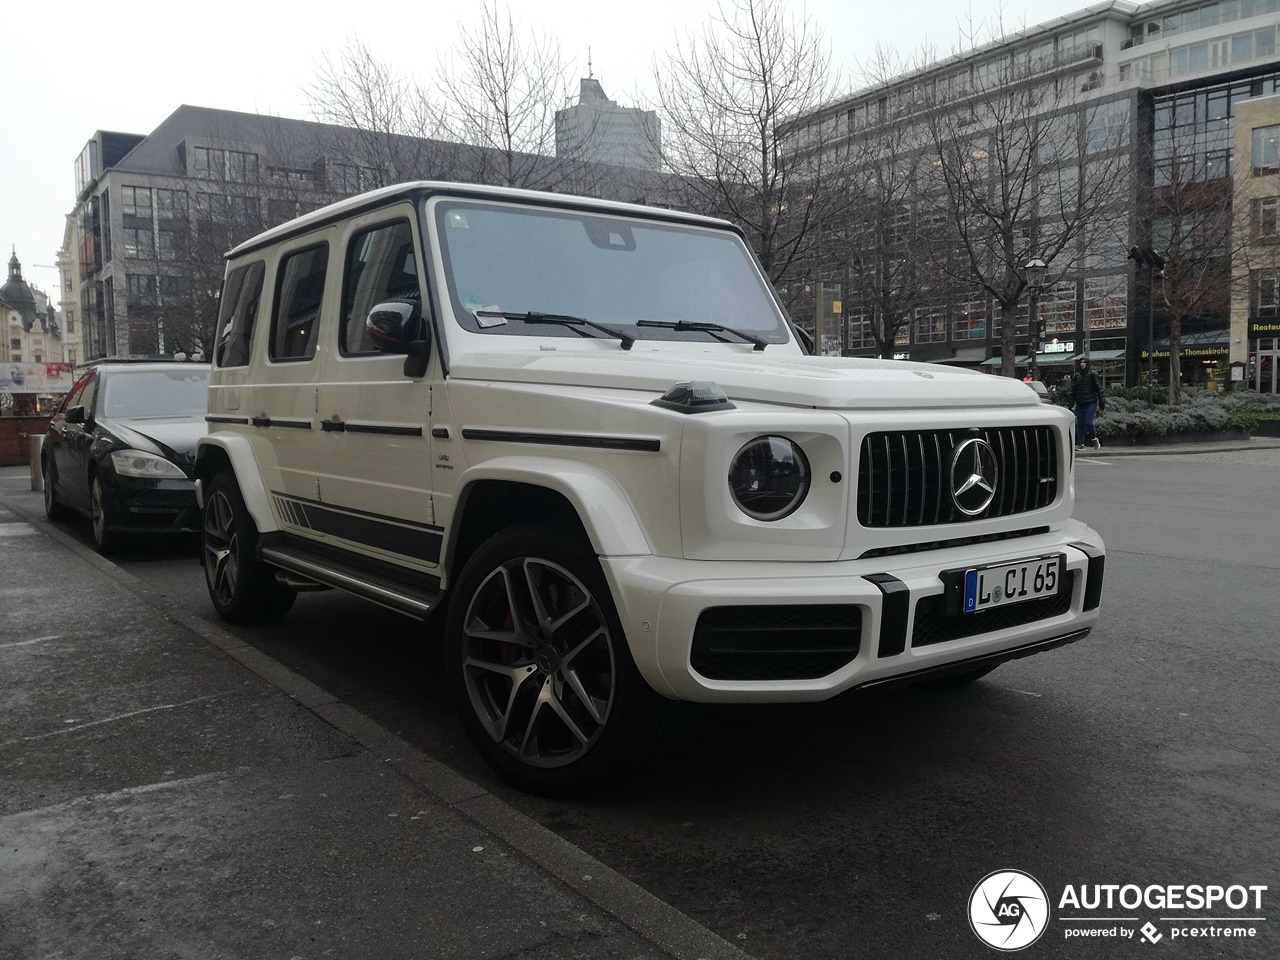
(420, 188)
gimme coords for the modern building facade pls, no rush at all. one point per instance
(155, 213)
(1176, 78)
(598, 130)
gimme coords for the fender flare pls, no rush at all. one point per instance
(600, 501)
(238, 452)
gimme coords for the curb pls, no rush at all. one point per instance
(654, 920)
(1179, 449)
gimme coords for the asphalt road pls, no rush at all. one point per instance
(1147, 754)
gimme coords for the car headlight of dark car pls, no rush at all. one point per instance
(769, 478)
(135, 463)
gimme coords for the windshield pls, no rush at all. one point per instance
(613, 271)
(156, 393)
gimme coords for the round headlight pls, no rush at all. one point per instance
(769, 478)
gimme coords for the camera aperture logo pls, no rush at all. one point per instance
(1008, 910)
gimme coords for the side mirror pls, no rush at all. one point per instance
(74, 414)
(394, 324)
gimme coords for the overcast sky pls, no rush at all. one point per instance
(72, 67)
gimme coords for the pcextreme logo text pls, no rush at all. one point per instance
(1010, 910)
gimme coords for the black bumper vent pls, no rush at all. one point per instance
(799, 642)
(934, 625)
(904, 479)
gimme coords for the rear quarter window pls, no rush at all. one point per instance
(241, 296)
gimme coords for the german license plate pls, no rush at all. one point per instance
(1005, 583)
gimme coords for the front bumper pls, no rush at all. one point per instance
(152, 506)
(874, 621)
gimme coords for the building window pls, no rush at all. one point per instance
(171, 204)
(1058, 307)
(931, 324)
(351, 178)
(1266, 150)
(1020, 322)
(135, 201)
(971, 320)
(141, 289)
(1266, 218)
(138, 243)
(1266, 293)
(1105, 303)
(168, 246)
(234, 165)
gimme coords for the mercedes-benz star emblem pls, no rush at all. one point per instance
(974, 474)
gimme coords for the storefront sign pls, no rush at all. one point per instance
(40, 378)
(1190, 352)
(1264, 328)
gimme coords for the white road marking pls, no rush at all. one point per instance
(27, 643)
(98, 723)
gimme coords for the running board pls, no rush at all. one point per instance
(380, 590)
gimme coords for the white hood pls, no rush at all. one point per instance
(836, 383)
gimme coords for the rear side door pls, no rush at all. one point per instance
(375, 422)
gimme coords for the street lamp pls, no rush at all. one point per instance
(1035, 280)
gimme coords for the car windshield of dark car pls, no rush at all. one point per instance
(155, 393)
(610, 270)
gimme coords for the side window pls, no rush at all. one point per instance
(299, 294)
(236, 319)
(380, 266)
(88, 394)
(73, 398)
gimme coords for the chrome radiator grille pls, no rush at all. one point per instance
(904, 478)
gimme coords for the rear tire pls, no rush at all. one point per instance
(243, 588)
(538, 664)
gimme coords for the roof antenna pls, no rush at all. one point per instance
(590, 71)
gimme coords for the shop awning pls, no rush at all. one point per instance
(1042, 360)
(1104, 355)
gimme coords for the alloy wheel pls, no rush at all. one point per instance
(538, 662)
(221, 544)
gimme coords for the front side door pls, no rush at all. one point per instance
(375, 421)
(70, 443)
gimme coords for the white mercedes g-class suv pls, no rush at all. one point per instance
(583, 440)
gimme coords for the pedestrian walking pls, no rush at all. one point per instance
(1087, 401)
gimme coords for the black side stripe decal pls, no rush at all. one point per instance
(379, 428)
(402, 537)
(641, 444)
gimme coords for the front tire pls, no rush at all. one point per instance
(54, 509)
(243, 588)
(100, 517)
(538, 663)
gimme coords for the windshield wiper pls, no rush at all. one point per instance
(706, 328)
(560, 320)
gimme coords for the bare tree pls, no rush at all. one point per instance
(383, 122)
(498, 96)
(891, 241)
(731, 99)
(1027, 163)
